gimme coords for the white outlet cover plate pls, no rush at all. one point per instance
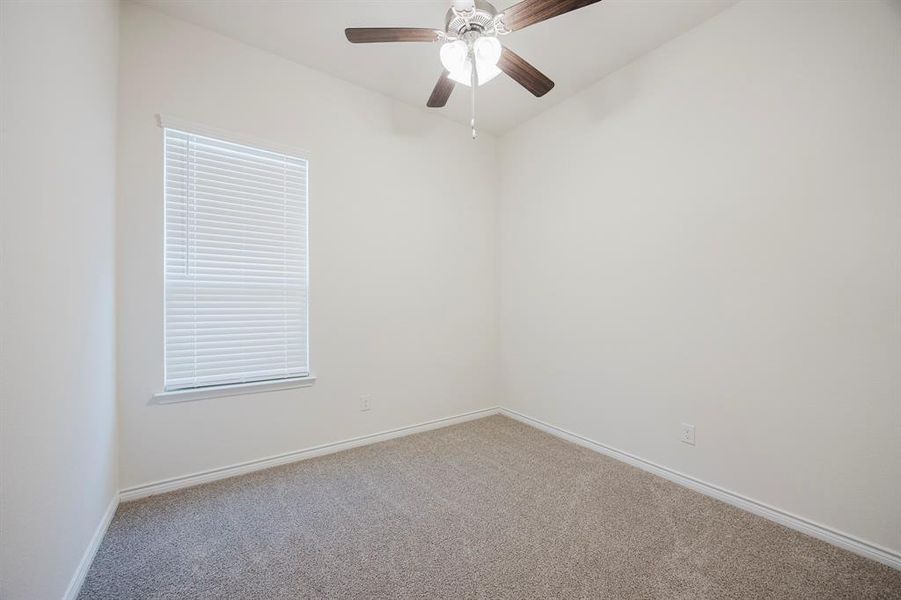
(687, 436)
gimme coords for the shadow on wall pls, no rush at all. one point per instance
(411, 122)
(596, 103)
(896, 6)
(606, 97)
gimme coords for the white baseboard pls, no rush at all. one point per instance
(175, 483)
(806, 526)
(88, 557)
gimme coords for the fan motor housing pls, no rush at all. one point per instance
(482, 18)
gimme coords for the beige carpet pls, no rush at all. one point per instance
(487, 509)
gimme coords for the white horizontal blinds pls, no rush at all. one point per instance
(236, 263)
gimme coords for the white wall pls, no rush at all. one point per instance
(58, 418)
(711, 236)
(402, 253)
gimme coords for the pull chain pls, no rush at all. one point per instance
(472, 101)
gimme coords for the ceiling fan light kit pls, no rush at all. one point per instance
(471, 53)
(458, 56)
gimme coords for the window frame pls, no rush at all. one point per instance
(238, 388)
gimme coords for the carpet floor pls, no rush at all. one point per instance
(487, 509)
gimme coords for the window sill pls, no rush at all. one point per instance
(236, 389)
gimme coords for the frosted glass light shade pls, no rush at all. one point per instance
(463, 74)
(456, 58)
(454, 55)
(487, 50)
(484, 73)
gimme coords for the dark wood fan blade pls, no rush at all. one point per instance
(523, 73)
(369, 35)
(529, 12)
(441, 92)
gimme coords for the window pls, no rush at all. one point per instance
(236, 263)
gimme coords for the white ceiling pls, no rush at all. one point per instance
(574, 50)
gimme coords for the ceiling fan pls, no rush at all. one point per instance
(471, 53)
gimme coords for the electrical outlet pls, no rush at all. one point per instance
(687, 435)
(365, 402)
